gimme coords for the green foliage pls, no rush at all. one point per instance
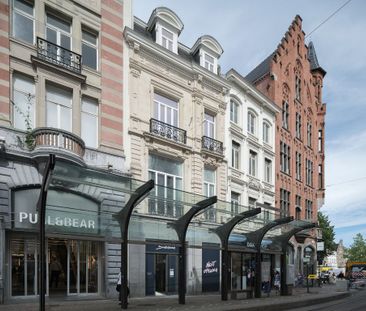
(357, 251)
(328, 233)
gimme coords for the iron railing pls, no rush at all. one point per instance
(58, 55)
(213, 145)
(168, 131)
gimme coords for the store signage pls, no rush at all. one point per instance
(210, 270)
(210, 267)
(32, 218)
(161, 248)
(320, 246)
(250, 245)
(165, 247)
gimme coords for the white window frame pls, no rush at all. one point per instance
(252, 119)
(234, 111)
(207, 63)
(253, 158)
(163, 109)
(93, 115)
(169, 42)
(235, 155)
(95, 46)
(266, 132)
(209, 125)
(268, 170)
(209, 190)
(26, 15)
(235, 202)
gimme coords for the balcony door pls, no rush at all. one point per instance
(165, 110)
(58, 32)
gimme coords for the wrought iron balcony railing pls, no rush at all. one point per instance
(46, 137)
(168, 131)
(58, 55)
(213, 145)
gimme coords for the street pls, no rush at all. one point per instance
(356, 302)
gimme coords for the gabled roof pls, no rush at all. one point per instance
(261, 70)
(313, 59)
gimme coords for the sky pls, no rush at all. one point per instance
(249, 31)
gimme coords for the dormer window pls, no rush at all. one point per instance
(208, 62)
(167, 38)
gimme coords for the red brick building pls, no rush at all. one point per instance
(292, 77)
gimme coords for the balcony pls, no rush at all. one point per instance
(48, 140)
(212, 145)
(168, 131)
(59, 56)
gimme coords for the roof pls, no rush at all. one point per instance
(261, 70)
(313, 59)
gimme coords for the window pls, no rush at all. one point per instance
(298, 207)
(252, 163)
(167, 38)
(59, 107)
(235, 155)
(320, 176)
(309, 173)
(209, 188)
(89, 49)
(308, 209)
(285, 115)
(266, 211)
(209, 125)
(89, 122)
(167, 174)
(298, 166)
(320, 140)
(284, 202)
(298, 125)
(251, 202)
(235, 201)
(285, 158)
(310, 135)
(298, 88)
(266, 132)
(58, 31)
(267, 170)
(234, 110)
(251, 122)
(166, 110)
(23, 20)
(23, 101)
(208, 62)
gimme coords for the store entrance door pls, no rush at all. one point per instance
(57, 267)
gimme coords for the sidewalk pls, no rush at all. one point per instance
(300, 298)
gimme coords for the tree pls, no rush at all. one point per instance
(357, 251)
(328, 234)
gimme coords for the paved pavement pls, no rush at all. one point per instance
(300, 298)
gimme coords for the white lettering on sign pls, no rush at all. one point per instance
(250, 244)
(58, 221)
(166, 247)
(210, 267)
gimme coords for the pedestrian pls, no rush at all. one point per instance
(119, 288)
(277, 281)
(56, 270)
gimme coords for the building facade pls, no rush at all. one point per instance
(61, 92)
(292, 77)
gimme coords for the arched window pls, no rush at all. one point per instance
(234, 111)
(251, 122)
(266, 132)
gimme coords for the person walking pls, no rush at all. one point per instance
(56, 269)
(277, 282)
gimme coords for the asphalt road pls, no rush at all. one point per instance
(356, 302)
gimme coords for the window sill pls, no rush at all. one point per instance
(287, 174)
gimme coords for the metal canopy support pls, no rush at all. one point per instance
(181, 226)
(41, 208)
(256, 237)
(284, 239)
(123, 218)
(224, 232)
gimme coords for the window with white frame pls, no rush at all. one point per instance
(89, 122)
(309, 172)
(298, 125)
(168, 177)
(284, 158)
(167, 39)
(235, 155)
(252, 163)
(89, 49)
(58, 107)
(234, 111)
(235, 202)
(209, 125)
(267, 170)
(310, 134)
(208, 62)
(23, 20)
(266, 132)
(251, 202)
(166, 110)
(23, 102)
(251, 122)
(285, 115)
(298, 166)
(209, 190)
